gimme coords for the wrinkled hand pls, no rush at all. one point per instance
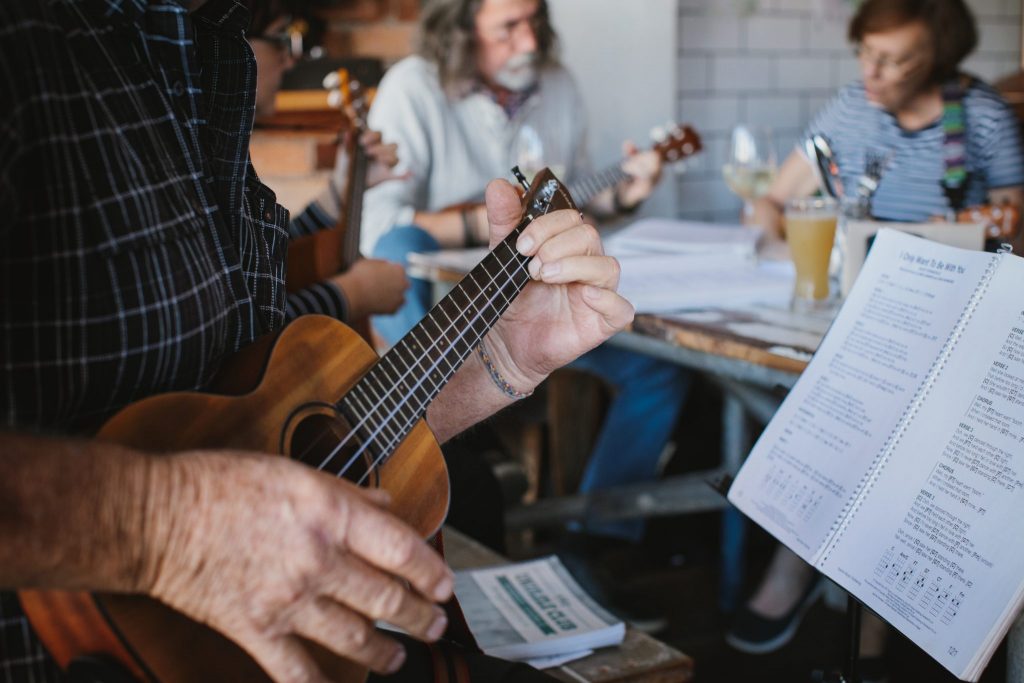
(644, 169)
(383, 158)
(266, 550)
(569, 308)
(372, 286)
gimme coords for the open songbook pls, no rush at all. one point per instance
(896, 464)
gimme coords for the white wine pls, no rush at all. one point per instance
(748, 182)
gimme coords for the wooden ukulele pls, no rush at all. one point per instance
(1001, 221)
(673, 145)
(315, 258)
(316, 392)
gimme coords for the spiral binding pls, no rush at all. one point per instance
(835, 533)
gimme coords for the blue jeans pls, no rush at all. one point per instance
(396, 245)
(648, 393)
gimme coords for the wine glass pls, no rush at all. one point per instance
(531, 153)
(750, 168)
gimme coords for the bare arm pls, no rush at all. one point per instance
(570, 307)
(449, 227)
(320, 558)
(795, 179)
(66, 508)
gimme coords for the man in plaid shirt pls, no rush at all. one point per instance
(138, 249)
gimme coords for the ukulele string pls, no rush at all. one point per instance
(409, 422)
(463, 313)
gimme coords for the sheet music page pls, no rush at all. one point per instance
(676, 282)
(811, 457)
(935, 546)
(666, 235)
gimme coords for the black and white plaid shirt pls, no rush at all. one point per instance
(137, 246)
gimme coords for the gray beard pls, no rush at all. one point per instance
(519, 73)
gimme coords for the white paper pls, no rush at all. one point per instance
(676, 282)
(896, 464)
(533, 609)
(944, 520)
(663, 235)
(805, 467)
(557, 660)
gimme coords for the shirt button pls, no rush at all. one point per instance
(178, 88)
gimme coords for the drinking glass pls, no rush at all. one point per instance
(531, 153)
(811, 232)
(750, 168)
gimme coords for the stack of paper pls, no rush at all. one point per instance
(666, 236)
(533, 611)
(679, 265)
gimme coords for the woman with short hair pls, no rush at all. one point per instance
(950, 140)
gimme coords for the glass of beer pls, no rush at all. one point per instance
(811, 231)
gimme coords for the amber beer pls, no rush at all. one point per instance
(810, 231)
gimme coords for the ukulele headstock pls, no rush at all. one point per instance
(545, 194)
(349, 95)
(676, 142)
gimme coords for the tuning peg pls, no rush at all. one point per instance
(332, 80)
(335, 99)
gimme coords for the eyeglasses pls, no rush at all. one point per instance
(891, 66)
(289, 40)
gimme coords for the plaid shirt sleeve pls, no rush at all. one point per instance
(325, 298)
(138, 247)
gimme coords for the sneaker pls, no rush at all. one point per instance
(754, 634)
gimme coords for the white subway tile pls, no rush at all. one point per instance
(773, 32)
(710, 112)
(709, 33)
(826, 34)
(802, 73)
(693, 73)
(743, 73)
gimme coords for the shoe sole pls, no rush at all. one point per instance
(781, 640)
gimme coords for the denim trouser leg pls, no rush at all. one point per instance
(395, 245)
(649, 395)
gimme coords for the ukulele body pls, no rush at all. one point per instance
(290, 386)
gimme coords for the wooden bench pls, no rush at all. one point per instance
(639, 659)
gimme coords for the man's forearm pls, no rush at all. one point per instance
(446, 227)
(72, 514)
(470, 396)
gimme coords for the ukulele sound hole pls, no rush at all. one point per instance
(320, 441)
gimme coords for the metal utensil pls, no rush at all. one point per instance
(875, 164)
(819, 151)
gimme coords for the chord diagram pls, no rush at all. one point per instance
(809, 507)
(895, 567)
(906, 575)
(885, 561)
(918, 584)
(934, 588)
(953, 608)
(941, 600)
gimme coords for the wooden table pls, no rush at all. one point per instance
(639, 659)
(754, 354)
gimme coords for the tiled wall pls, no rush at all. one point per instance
(774, 63)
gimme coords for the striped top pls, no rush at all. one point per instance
(910, 188)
